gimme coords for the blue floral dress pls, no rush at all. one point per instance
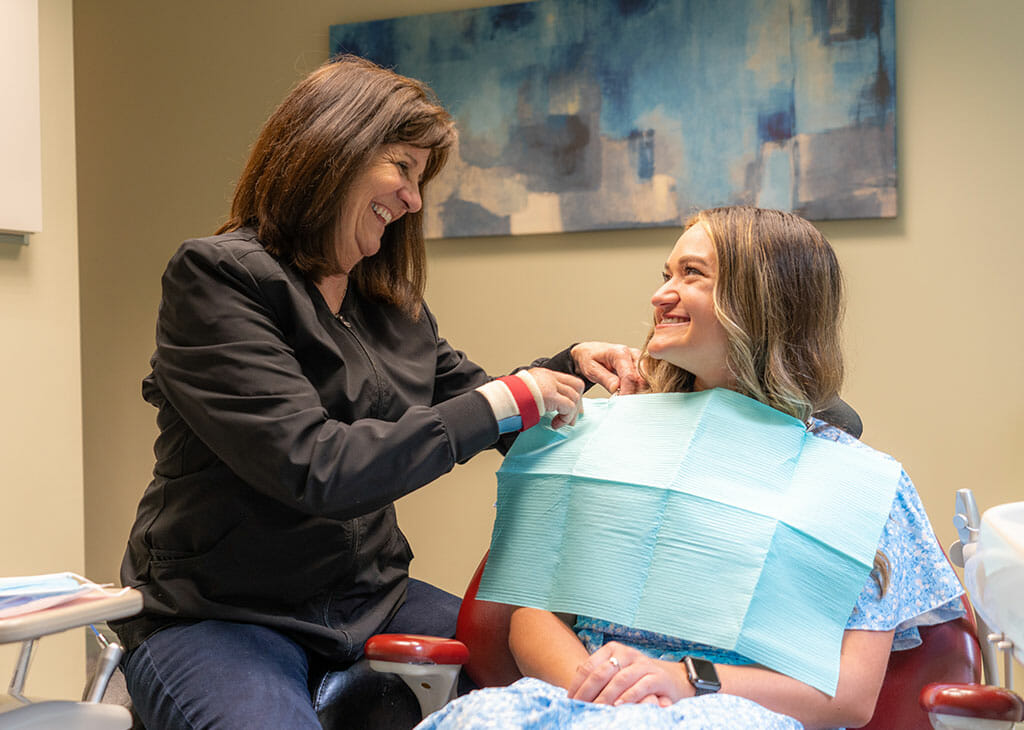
(923, 590)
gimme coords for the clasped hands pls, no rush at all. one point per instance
(612, 366)
(617, 674)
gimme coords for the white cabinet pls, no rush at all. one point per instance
(21, 192)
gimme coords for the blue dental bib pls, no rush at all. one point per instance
(708, 516)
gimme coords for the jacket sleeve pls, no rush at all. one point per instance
(563, 363)
(225, 365)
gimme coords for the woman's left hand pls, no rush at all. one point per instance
(617, 674)
(612, 366)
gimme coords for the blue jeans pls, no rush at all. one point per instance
(220, 674)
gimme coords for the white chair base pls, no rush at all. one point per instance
(433, 684)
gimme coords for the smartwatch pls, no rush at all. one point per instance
(702, 675)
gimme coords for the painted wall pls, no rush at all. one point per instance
(170, 95)
(41, 511)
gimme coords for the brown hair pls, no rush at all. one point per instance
(309, 151)
(779, 295)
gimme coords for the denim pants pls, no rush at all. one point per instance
(220, 674)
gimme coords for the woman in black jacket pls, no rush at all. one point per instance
(302, 387)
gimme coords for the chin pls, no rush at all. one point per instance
(655, 348)
(661, 353)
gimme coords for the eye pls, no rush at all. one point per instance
(692, 271)
(406, 169)
(665, 277)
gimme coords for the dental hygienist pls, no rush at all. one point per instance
(302, 387)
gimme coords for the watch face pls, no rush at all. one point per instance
(702, 673)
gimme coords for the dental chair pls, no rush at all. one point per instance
(991, 552)
(405, 677)
(949, 653)
(938, 684)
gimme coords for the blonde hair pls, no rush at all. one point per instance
(779, 296)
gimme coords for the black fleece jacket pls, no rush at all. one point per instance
(286, 434)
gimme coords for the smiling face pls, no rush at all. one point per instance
(687, 333)
(382, 193)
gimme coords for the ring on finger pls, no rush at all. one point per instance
(615, 663)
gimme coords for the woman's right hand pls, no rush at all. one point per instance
(562, 394)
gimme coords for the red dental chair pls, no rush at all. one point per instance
(949, 654)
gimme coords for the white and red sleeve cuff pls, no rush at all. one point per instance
(516, 401)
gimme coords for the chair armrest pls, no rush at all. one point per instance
(415, 649)
(973, 700)
(429, 665)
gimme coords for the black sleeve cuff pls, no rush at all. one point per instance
(470, 423)
(563, 363)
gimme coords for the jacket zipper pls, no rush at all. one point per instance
(380, 386)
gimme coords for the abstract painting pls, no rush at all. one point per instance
(599, 114)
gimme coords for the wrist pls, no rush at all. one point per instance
(515, 401)
(531, 383)
(573, 358)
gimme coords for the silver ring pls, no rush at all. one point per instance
(614, 662)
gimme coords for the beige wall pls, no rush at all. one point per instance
(41, 517)
(169, 95)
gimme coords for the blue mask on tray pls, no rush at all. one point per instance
(707, 516)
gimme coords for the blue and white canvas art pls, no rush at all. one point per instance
(596, 114)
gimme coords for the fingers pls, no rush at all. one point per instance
(617, 674)
(582, 672)
(562, 394)
(612, 366)
(630, 380)
(605, 673)
(592, 678)
(633, 684)
(648, 678)
(597, 663)
(621, 364)
(615, 679)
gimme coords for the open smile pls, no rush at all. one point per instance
(383, 213)
(673, 321)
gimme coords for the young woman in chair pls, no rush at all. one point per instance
(752, 302)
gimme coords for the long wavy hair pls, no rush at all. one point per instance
(779, 296)
(309, 151)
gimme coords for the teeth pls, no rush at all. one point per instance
(382, 212)
(674, 320)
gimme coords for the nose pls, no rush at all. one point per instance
(664, 295)
(410, 197)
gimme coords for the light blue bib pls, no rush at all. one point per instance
(708, 516)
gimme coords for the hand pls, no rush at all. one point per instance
(562, 395)
(612, 366)
(617, 674)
